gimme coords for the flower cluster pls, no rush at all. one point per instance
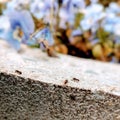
(84, 28)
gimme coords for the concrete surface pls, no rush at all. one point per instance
(34, 86)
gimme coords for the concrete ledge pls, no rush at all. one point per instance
(36, 87)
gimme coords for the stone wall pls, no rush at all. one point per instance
(36, 87)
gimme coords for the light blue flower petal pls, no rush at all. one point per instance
(95, 41)
(114, 8)
(8, 36)
(116, 29)
(114, 60)
(86, 24)
(79, 3)
(12, 41)
(108, 28)
(76, 32)
(18, 19)
(43, 34)
(4, 23)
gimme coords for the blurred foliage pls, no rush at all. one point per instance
(102, 35)
(99, 45)
(78, 18)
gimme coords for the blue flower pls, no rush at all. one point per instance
(18, 20)
(37, 8)
(113, 8)
(68, 11)
(40, 9)
(111, 21)
(17, 4)
(93, 14)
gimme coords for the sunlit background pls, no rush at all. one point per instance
(82, 28)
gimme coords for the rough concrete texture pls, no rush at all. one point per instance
(34, 86)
